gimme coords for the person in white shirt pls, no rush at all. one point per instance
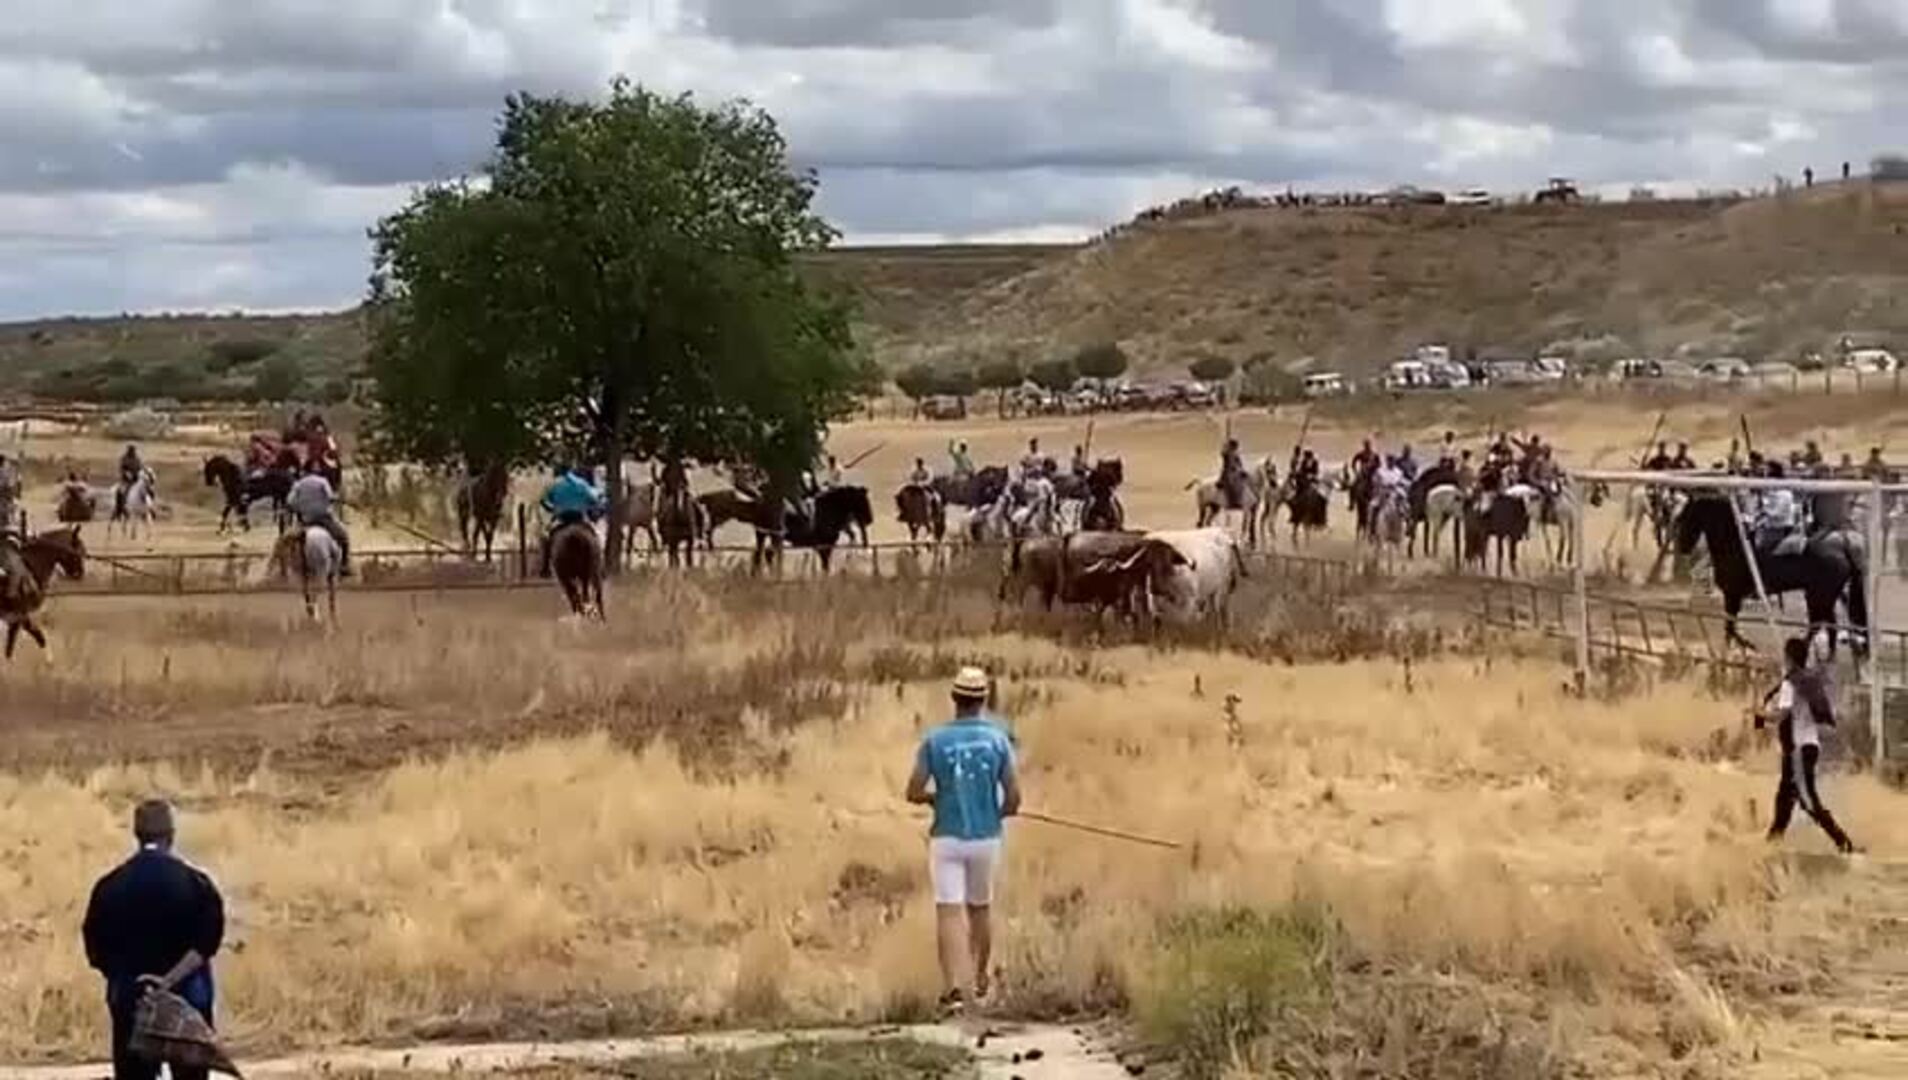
(1777, 513)
(313, 501)
(1802, 708)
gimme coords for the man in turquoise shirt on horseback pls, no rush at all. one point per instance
(569, 500)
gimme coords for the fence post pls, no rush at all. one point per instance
(523, 543)
(1876, 694)
(1581, 586)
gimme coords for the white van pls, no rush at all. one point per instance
(1325, 384)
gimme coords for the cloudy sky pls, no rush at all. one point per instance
(217, 154)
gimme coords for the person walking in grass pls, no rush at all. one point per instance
(1801, 709)
(153, 923)
(965, 770)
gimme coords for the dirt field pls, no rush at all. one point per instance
(457, 818)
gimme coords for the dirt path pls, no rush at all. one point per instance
(1002, 1050)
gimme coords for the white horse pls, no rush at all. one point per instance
(313, 553)
(1209, 501)
(1391, 522)
(133, 504)
(1443, 508)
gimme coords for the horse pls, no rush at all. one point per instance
(1560, 510)
(922, 511)
(315, 555)
(1211, 500)
(1501, 517)
(134, 503)
(241, 491)
(79, 504)
(1656, 506)
(1390, 521)
(577, 559)
(974, 490)
(1103, 512)
(1831, 567)
(29, 567)
(1034, 507)
(836, 511)
(719, 507)
(479, 504)
(679, 523)
(1306, 508)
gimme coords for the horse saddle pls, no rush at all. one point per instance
(1785, 544)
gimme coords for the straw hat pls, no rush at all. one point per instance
(971, 683)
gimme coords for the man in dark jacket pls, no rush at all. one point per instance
(155, 921)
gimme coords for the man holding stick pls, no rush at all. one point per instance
(965, 770)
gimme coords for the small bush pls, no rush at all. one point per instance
(239, 352)
(1223, 979)
(277, 380)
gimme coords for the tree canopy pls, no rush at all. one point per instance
(623, 283)
(1211, 367)
(1103, 360)
(1055, 375)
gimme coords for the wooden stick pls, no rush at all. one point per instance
(864, 455)
(1098, 831)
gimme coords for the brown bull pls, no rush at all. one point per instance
(1122, 570)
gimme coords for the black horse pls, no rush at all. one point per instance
(981, 488)
(241, 491)
(1103, 511)
(1831, 567)
(837, 511)
(1503, 518)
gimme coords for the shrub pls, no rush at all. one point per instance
(277, 379)
(141, 422)
(1212, 368)
(240, 352)
(1220, 980)
(1056, 374)
(918, 381)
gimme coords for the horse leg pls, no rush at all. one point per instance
(331, 596)
(13, 636)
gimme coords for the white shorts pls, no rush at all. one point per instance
(963, 870)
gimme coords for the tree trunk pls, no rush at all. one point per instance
(613, 481)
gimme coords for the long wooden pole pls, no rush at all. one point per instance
(1048, 819)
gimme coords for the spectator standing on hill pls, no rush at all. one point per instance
(1801, 710)
(965, 770)
(153, 923)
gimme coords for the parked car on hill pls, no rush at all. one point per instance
(1323, 384)
(1724, 369)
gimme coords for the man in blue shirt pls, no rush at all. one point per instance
(569, 500)
(965, 770)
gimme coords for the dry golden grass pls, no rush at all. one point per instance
(692, 818)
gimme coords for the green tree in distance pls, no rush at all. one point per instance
(624, 284)
(1211, 368)
(1104, 360)
(1055, 375)
(1000, 376)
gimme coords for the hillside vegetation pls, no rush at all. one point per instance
(1346, 288)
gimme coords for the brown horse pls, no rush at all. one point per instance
(29, 567)
(920, 508)
(480, 508)
(577, 559)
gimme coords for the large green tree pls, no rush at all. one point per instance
(624, 283)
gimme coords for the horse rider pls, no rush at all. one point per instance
(1682, 461)
(1365, 458)
(1875, 469)
(961, 464)
(1811, 454)
(1388, 481)
(314, 502)
(1466, 471)
(1079, 465)
(1407, 463)
(830, 474)
(1661, 461)
(572, 500)
(74, 490)
(130, 468)
(1778, 517)
(1232, 475)
(1033, 463)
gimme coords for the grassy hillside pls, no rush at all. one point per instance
(1348, 288)
(1353, 288)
